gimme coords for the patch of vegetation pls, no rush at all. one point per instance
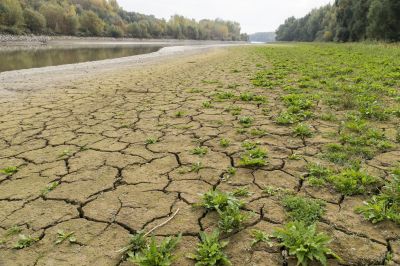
(224, 95)
(50, 187)
(196, 167)
(303, 242)
(259, 237)
(224, 143)
(156, 254)
(302, 130)
(386, 205)
(242, 192)
(294, 157)
(65, 153)
(228, 207)
(25, 241)
(257, 132)
(254, 157)
(209, 251)
(250, 97)
(151, 140)
(13, 230)
(10, 170)
(352, 182)
(201, 151)
(246, 121)
(180, 114)
(207, 104)
(62, 236)
(273, 191)
(234, 110)
(302, 209)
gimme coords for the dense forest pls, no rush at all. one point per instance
(105, 18)
(346, 21)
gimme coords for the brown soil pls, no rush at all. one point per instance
(90, 136)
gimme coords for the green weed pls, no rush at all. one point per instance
(246, 121)
(352, 182)
(25, 241)
(151, 140)
(10, 170)
(302, 130)
(62, 236)
(224, 143)
(302, 209)
(201, 151)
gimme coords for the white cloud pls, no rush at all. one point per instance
(253, 15)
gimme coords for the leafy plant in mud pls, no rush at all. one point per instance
(241, 192)
(137, 242)
(156, 254)
(13, 230)
(302, 130)
(209, 251)
(201, 151)
(303, 242)
(317, 174)
(352, 182)
(151, 140)
(224, 143)
(302, 209)
(179, 113)
(207, 104)
(62, 236)
(25, 241)
(386, 205)
(228, 208)
(260, 237)
(224, 95)
(246, 121)
(50, 187)
(255, 157)
(10, 170)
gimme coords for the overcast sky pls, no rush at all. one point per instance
(253, 15)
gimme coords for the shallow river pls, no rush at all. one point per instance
(40, 57)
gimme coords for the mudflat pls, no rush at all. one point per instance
(105, 152)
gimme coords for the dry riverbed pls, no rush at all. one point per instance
(106, 149)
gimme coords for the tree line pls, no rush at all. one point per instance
(346, 21)
(106, 18)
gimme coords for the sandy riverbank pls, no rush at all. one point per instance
(16, 82)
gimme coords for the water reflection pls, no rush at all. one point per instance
(39, 57)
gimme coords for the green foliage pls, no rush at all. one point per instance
(15, 229)
(302, 209)
(50, 187)
(151, 140)
(201, 151)
(34, 21)
(25, 241)
(10, 170)
(224, 143)
(207, 104)
(386, 205)
(62, 236)
(344, 21)
(246, 121)
(156, 254)
(260, 237)
(106, 18)
(255, 157)
(228, 208)
(352, 182)
(241, 192)
(209, 251)
(303, 242)
(302, 130)
(137, 243)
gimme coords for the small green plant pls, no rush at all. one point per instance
(386, 205)
(234, 110)
(10, 170)
(258, 132)
(253, 158)
(62, 236)
(156, 254)
(196, 167)
(65, 153)
(179, 113)
(303, 242)
(225, 95)
(201, 151)
(231, 218)
(286, 118)
(50, 187)
(352, 182)
(241, 192)
(302, 130)
(260, 237)
(294, 157)
(209, 251)
(151, 140)
(231, 171)
(195, 90)
(207, 104)
(137, 243)
(13, 230)
(246, 121)
(303, 209)
(224, 143)
(25, 241)
(228, 208)
(249, 145)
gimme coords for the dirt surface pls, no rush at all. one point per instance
(90, 134)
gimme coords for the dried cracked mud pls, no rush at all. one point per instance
(91, 137)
